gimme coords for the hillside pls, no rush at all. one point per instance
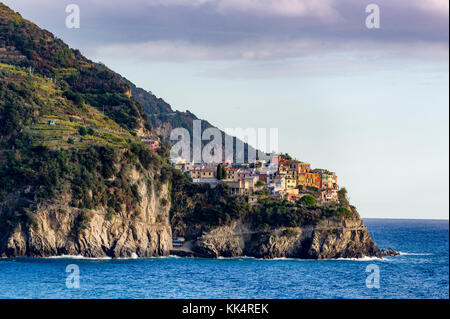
(163, 119)
(75, 177)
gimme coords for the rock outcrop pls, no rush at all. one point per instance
(329, 239)
(145, 234)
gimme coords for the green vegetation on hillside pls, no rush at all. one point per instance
(198, 207)
(37, 50)
(36, 109)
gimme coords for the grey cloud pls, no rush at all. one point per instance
(242, 30)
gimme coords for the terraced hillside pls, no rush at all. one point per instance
(58, 122)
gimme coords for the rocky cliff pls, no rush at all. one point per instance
(329, 239)
(57, 228)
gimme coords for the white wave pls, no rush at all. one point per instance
(236, 258)
(78, 257)
(365, 258)
(414, 254)
(132, 257)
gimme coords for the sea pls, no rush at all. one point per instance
(420, 272)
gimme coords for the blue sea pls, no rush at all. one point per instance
(422, 271)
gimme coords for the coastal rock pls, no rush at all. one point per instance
(329, 239)
(389, 252)
(145, 234)
(227, 241)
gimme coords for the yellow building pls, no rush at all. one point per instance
(291, 183)
(291, 173)
(242, 187)
(207, 173)
(282, 170)
(232, 174)
(194, 174)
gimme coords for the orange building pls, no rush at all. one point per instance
(309, 179)
(301, 167)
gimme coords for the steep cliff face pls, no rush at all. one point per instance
(329, 239)
(59, 229)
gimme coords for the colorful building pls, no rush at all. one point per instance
(330, 195)
(232, 174)
(328, 179)
(242, 187)
(195, 174)
(207, 173)
(291, 183)
(300, 167)
(244, 173)
(309, 179)
(292, 194)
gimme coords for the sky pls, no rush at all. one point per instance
(370, 104)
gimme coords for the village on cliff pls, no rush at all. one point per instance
(279, 176)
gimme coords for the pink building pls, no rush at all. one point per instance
(242, 174)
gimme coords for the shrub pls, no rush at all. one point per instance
(342, 196)
(74, 97)
(82, 131)
(289, 233)
(308, 200)
(343, 212)
(81, 223)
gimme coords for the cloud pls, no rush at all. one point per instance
(288, 8)
(244, 31)
(271, 49)
(272, 58)
(438, 6)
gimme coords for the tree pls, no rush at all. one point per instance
(221, 172)
(343, 212)
(308, 200)
(74, 97)
(82, 131)
(90, 131)
(342, 196)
